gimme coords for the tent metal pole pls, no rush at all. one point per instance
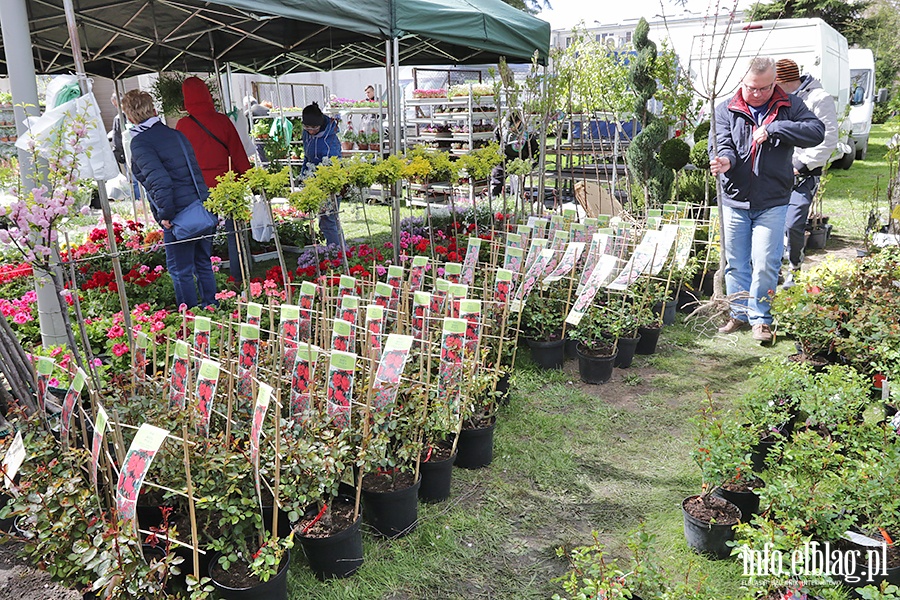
(393, 56)
(101, 185)
(229, 93)
(22, 83)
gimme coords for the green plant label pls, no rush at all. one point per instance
(557, 223)
(684, 242)
(654, 212)
(289, 312)
(202, 324)
(390, 369)
(254, 313)
(513, 240)
(417, 273)
(470, 312)
(308, 288)
(96, 442)
(207, 382)
(44, 370)
(395, 272)
(531, 279)
(450, 369)
(452, 271)
(347, 285)
(579, 233)
(68, 406)
(471, 261)
(502, 287)
(343, 335)
(602, 220)
(442, 285)
(539, 227)
(374, 330)
(598, 277)
(567, 264)
(134, 469)
(512, 260)
(373, 311)
(420, 312)
(259, 416)
(178, 381)
(248, 361)
(341, 369)
(202, 329)
(301, 377)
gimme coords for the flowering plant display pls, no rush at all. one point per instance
(437, 93)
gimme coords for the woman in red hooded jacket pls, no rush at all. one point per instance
(217, 146)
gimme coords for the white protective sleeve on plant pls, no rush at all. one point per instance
(45, 130)
(261, 227)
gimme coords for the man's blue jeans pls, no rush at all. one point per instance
(797, 214)
(329, 221)
(754, 244)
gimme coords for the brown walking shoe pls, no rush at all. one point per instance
(762, 333)
(733, 325)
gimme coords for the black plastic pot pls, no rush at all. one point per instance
(475, 448)
(595, 369)
(707, 538)
(859, 576)
(336, 556)
(548, 354)
(747, 502)
(437, 475)
(649, 337)
(626, 348)
(392, 514)
(273, 589)
(818, 237)
(668, 312)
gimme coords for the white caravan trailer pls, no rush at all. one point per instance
(862, 98)
(816, 47)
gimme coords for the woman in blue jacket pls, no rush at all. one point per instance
(320, 141)
(163, 161)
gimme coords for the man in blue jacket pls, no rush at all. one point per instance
(756, 132)
(320, 141)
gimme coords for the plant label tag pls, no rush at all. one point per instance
(140, 456)
(14, 458)
(97, 441)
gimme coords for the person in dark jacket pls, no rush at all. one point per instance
(218, 148)
(163, 161)
(320, 142)
(756, 132)
(517, 142)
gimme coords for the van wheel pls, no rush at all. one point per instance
(861, 152)
(846, 160)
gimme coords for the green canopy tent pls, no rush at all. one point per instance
(121, 38)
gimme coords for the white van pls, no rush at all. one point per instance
(816, 47)
(862, 98)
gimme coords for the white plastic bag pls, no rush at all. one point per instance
(44, 130)
(261, 227)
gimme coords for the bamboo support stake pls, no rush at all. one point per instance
(190, 497)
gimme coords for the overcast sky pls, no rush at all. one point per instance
(567, 13)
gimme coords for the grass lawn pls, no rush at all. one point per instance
(571, 458)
